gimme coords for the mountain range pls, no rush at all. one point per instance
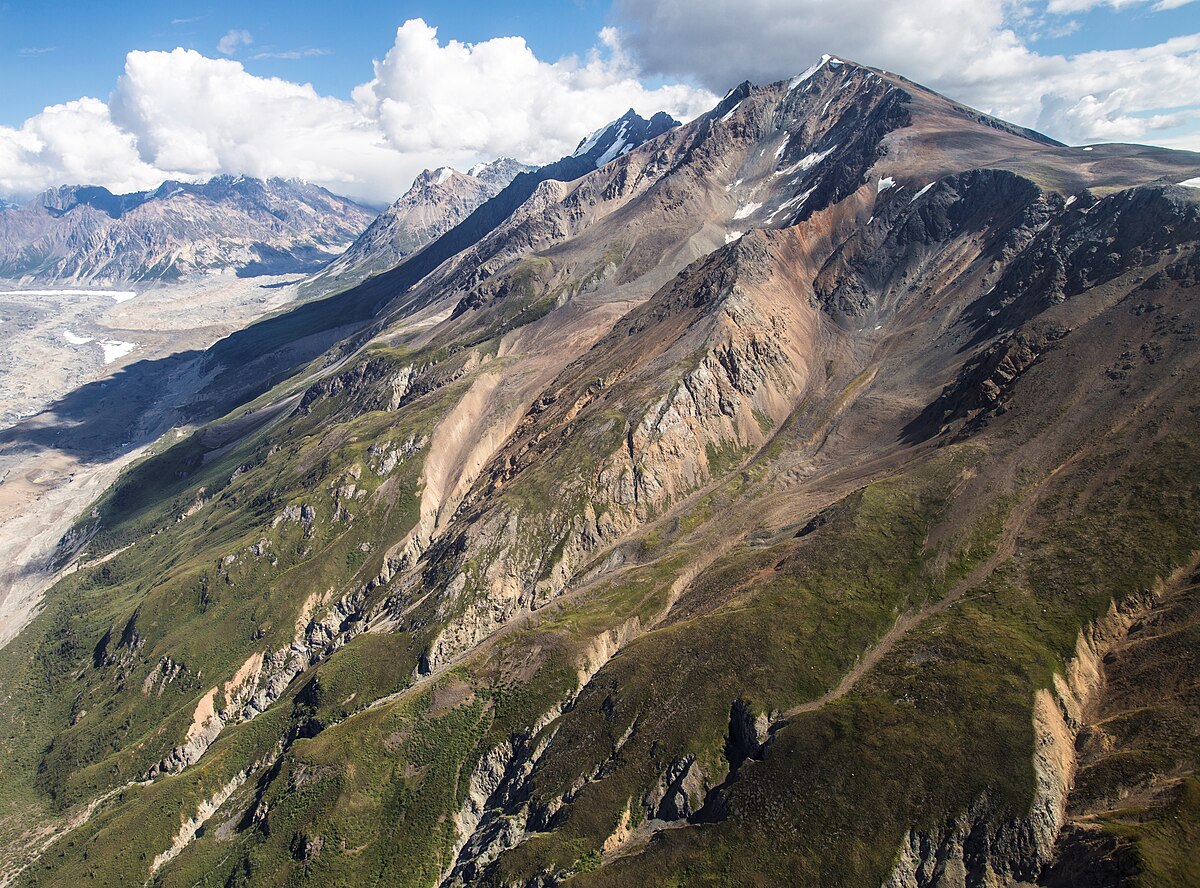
(805, 494)
(88, 235)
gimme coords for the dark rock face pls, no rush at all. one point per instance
(1092, 245)
(1086, 859)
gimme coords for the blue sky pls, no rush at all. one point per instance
(135, 91)
(55, 50)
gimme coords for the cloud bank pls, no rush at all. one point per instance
(181, 114)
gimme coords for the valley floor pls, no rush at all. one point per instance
(56, 344)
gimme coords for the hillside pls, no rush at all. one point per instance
(806, 494)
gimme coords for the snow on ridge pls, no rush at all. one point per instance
(748, 210)
(443, 173)
(797, 201)
(884, 184)
(618, 147)
(810, 71)
(590, 142)
(921, 192)
(732, 236)
(729, 113)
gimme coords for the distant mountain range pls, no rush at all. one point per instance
(86, 234)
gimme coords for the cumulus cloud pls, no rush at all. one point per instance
(181, 114)
(73, 142)
(498, 98)
(229, 44)
(969, 49)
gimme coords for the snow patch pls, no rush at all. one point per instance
(732, 236)
(748, 210)
(618, 147)
(884, 184)
(807, 162)
(443, 174)
(1071, 199)
(797, 201)
(728, 114)
(783, 145)
(1088, 148)
(1188, 183)
(734, 185)
(115, 349)
(808, 72)
(76, 340)
(590, 142)
(921, 192)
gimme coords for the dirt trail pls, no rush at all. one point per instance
(908, 621)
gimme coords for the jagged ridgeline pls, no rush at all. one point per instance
(86, 234)
(805, 495)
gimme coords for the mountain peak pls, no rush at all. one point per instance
(623, 135)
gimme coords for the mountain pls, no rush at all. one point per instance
(807, 495)
(86, 234)
(245, 364)
(437, 201)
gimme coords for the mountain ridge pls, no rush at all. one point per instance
(87, 234)
(437, 201)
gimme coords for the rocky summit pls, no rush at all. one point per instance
(807, 494)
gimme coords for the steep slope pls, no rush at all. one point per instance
(78, 234)
(748, 510)
(437, 201)
(276, 347)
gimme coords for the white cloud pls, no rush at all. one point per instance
(311, 52)
(1068, 7)
(229, 44)
(73, 142)
(969, 49)
(497, 98)
(181, 114)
